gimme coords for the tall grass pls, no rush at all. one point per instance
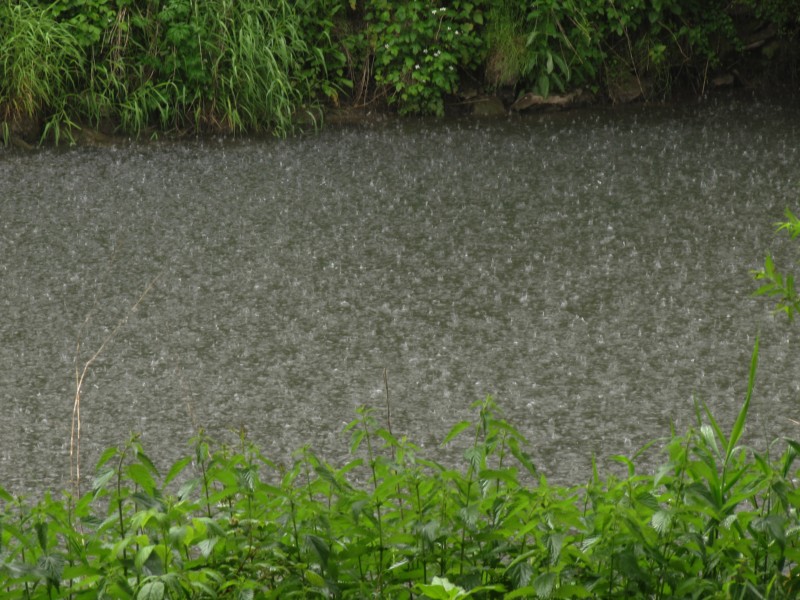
(217, 65)
(255, 66)
(40, 61)
(204, 66)
(716, 520)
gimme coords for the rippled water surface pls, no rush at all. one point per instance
(589, 270)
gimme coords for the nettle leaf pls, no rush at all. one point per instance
(441, 589)
(320, 548)
(152, 590)
(455, 430)
(101, 480)
(106, 456)
(206, 547)
(508, 475)
(41, 534)
(187, 488)
(544, 584)
(520, 573)
(355, 442)
(52, 567)
(246, 478)
(590, 542)
(555, 542)
(177, 468)
(178, 534)
(661, 521)
(142, 555)
(527, 591)
(141, 476)
(314, 578)
(431, 531)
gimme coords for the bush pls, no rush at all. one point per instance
(419, 48)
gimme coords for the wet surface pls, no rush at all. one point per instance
(589, 270)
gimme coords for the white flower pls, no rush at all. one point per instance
(416, 67)
(425, 51)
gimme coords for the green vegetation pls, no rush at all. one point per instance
(717, 519)
(140, 67)
(216, 65)
(776, 284)
(418, 47)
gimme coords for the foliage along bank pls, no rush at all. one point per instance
(145, 66)
(716, 520)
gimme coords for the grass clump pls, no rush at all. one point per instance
(40, 60)
(716, 520)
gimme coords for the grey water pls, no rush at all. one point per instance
(588, 269)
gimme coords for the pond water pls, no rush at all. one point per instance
(588, 269)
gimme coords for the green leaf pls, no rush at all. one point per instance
(455, 430)
(661, 521)
(522, 456)
(142, 555)
(152, 590)
(52, 566)
(738, 426)
(176, 469)
(555, 542)
(544, 84)
(320, 548)
(562, 65)
(101, 480)
(441, 589)
(41, 534)
(509, 476)
(544, 584)
(527, 591)
(625, 461)
(106, 456)
(207, 546)
(141, 476)
(356, 439)
(315, 579)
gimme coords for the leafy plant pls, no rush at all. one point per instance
(716, 520)
(775, 283)
(419, 48)
(562, 45)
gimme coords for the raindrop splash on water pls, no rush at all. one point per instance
(574, 266)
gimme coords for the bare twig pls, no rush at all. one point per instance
(80, 376)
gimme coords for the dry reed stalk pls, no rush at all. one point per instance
(80, 376)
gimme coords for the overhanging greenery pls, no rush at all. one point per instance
(146, 66)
